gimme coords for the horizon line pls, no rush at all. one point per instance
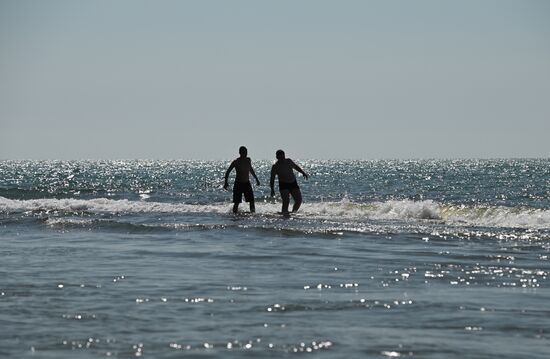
(271, 159)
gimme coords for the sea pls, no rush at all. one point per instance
(385, 259)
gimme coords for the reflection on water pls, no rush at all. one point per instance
(425, 259)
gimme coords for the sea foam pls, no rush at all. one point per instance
(403, 210)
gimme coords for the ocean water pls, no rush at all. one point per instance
(411, 259)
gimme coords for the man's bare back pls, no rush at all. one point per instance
(242, 167)
(284, 169)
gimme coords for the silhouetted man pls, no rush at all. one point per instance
(284, 169)
(243, 167)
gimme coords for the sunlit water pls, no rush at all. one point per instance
(421, 259)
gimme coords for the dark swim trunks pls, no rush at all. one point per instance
(240, 188)
(289, 186)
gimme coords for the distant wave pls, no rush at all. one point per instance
(403, 210)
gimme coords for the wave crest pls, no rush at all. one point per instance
(393, 210)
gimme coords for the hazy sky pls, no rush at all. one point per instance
(320, 79)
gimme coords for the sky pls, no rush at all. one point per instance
(131, 79)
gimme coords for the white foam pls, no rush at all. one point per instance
(487, 216)
(104, 205)
(402, 210)
(68, 221)
(475, 216)
(377, 210)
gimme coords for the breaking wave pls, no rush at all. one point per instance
(398, 210)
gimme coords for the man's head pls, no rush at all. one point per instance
(243, 151)
(280, 154)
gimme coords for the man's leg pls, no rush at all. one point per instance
(297, 196)
(237, 198)
(285, 196)
(249, 197)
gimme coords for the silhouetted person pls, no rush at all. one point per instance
(243, 167)
(284, 169)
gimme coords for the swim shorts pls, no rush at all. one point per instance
(289, 186)
(240, 188)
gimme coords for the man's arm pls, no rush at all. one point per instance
(231, 166)
(254, 174)
(272, 181)
(297, 168)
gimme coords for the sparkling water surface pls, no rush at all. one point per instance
(424, 259)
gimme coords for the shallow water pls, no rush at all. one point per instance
(424, 259)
